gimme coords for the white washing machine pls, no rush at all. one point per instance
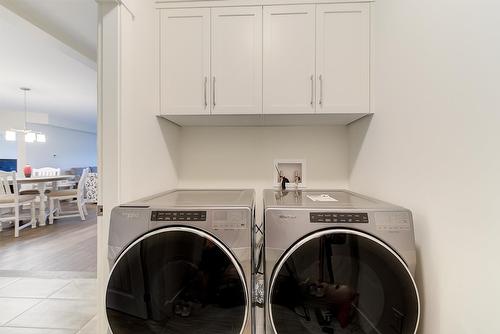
(338, 262)
(181, 263)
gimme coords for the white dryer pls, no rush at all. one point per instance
(338, 262)
(181, 263)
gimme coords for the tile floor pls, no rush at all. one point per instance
(47, 306)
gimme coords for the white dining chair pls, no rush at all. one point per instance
(12, 200)
(77, 194)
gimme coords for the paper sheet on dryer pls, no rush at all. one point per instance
(321, 198)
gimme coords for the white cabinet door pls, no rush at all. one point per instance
(343, 58)
(185, 61)
(236, 60)
(289, 59)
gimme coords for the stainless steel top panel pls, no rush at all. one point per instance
(343, 199)
(199, 198)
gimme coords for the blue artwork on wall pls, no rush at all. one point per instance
(8, 165)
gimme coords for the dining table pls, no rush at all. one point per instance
(41, 183)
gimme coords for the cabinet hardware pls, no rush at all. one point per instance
(312, 90)
(205, 92)
(321, 90)
(213, 91)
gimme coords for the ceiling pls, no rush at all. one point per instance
(49, 46)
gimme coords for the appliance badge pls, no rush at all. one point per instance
(284, 218)
(131, 214)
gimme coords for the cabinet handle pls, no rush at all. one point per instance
(213, 91)
(205, 92)
(312, 90)
(321, 90)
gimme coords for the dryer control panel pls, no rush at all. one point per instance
(178, 216)
(229, 220)
(338, 217)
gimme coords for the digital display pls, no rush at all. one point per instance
(338, 217)
(178, 216)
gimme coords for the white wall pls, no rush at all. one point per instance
(147, 144)
(8, 150)
(71, 147)
(433, 146)
(243, 157)
(65, 148)
(73, 122)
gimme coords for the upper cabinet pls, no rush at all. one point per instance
(236, 60)
(185, 61)
(271, 61)
(289, 57)
(342, 58)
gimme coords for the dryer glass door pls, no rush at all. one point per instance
(342, 281)
(176, 280)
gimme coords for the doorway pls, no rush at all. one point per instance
(49, 132)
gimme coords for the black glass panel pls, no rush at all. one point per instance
(175, 282)
(343, 283)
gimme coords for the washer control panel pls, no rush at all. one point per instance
(229, 220)
(178, 216)
(338, 217)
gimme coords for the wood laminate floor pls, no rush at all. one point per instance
(66, 249)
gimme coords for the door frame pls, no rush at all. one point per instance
(108, 138)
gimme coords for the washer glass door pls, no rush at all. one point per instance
(342, 281)
(176, 280)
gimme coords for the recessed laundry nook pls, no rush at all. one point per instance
(259, 167)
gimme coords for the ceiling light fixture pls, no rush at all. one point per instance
(29, 135)
(10, 135)
(40, 137)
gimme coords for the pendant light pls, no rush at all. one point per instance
(29, 135)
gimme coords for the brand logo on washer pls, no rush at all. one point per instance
(130, 215)
(287, 217)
